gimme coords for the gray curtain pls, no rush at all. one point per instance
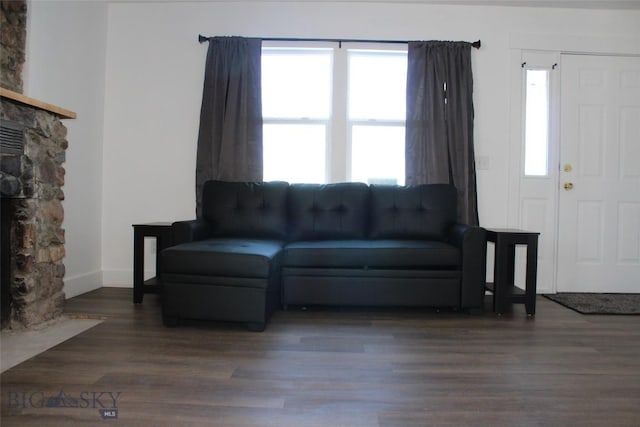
(230, 136)
(439, 126)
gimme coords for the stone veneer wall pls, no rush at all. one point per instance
(13, 35)
(37, 236)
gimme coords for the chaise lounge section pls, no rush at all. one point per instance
(261, 245)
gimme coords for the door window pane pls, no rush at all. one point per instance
(536, 151)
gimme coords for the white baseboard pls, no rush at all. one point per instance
(544, 290)
(117, 285)
(117, 278)
(124, 279)
(121, 278)
(82, 283)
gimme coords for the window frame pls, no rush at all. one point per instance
(339, 126)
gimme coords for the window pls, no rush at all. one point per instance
(296, 109)
(536, 134)
(377, 105)
(333, 114)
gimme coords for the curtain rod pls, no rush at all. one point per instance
(203, 39)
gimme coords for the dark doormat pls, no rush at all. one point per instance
(591, 303)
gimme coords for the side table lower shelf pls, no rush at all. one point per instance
(515, 295)
(162, 233)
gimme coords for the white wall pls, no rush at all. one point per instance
(142, 98)
(154, 83)
(66, 49)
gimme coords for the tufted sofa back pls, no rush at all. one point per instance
(417, 212)
(246, 209)
(328, 211)
(277, 210)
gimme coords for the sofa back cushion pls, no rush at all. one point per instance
(246, 209)
(328, 211)
(415, 212)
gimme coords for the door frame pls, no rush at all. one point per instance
(553, 45)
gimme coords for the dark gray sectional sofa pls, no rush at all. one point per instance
(263, 245)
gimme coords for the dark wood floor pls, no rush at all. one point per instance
(334, 367)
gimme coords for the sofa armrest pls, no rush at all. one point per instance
(189, 231)
(472, 241)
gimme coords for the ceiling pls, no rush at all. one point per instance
(578, 4)
(571, 4)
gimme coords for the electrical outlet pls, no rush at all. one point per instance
(482, 163)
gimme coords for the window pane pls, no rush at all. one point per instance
(377, 85)
(294, 152)
(296, 83)
(536, 123)
(377, 154)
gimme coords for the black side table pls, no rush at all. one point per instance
(162, 232)
(504, 290)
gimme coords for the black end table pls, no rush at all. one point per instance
(504, 290)
(162, 232)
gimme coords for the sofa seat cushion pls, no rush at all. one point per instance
(409, 254)
(223, 257)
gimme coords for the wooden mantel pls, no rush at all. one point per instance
(23, 99)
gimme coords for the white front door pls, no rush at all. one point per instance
(599, 196)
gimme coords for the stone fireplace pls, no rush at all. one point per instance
(33, 143)
(32, 213)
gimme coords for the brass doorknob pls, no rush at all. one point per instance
(568, 185)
